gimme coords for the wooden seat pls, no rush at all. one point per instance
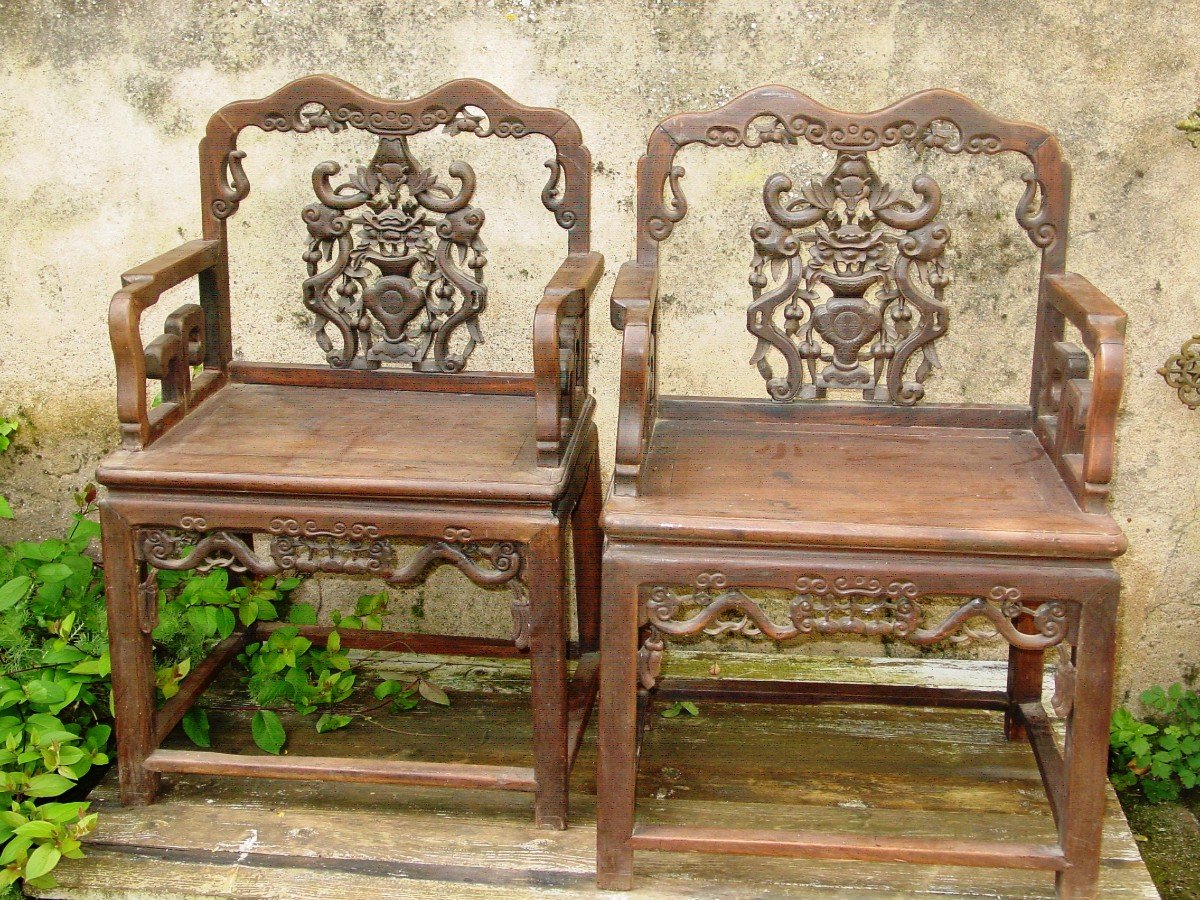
(971, 490)
(806, 515)
(335, 469)
(279, 439)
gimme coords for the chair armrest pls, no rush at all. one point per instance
(169, 356)
(636, 287)
(632, 311)
(1084, 424)
(560, 349)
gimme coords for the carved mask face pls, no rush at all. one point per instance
(850, 249)
(392, 226)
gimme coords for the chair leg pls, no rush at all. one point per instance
(131, 650)
(548, 674)
(1086, 756)
(616, 778)
(588, 544)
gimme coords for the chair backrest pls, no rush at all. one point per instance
(847, 277)
(395, 255)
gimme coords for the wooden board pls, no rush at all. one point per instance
(890, 770)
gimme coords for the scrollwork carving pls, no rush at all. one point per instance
(341, 548)
(848, 282)
(1037, 223)
(388, 260)
(233, 187)
(1182, 372)
(553, 195)
(671, 211)
(845, 605)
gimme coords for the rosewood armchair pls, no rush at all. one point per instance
(865, 516)
(393, 443)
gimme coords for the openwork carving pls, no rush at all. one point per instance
(388, 259)
(343, 549)
(848, 300)
(390, 122)
(858, 605)
(1182, 372)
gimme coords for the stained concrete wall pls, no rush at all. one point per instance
(104, 104)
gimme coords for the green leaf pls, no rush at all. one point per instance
(433, 693)
(48, 785)
(225, 620)
(44, 551)
(52, 573)
(334, 644)
(195, 726)
(268, 731)
(14, 591)
(47, 692)
(42, 861)
(302, 614)
(14, 849)
(62, 812)
(388, 688)
(36, 829)
(683, 706)
(5, 510)
(248, 613)
(330, 722)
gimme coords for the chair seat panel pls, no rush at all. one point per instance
(976, 490)
(364, 442)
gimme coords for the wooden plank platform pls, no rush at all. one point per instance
(939, 773)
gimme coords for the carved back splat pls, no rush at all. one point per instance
(386, 260)
(877, 255)
(847, 276)
(395, 261)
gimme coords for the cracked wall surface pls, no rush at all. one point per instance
(105, 103)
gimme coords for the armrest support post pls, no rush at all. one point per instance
(633, 311)
(142, 286)
(1101, 324)
(560, 340)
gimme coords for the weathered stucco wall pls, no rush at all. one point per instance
(104, 104)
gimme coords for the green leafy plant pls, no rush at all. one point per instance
(7, 428)
(55, 692)
(681, 707)
(289, 668)
(54, 697)
(1158, 754)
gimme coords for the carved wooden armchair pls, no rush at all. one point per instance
(865, 516)
(393, 443)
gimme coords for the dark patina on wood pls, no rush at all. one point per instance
(995, 527)
(392, 444)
